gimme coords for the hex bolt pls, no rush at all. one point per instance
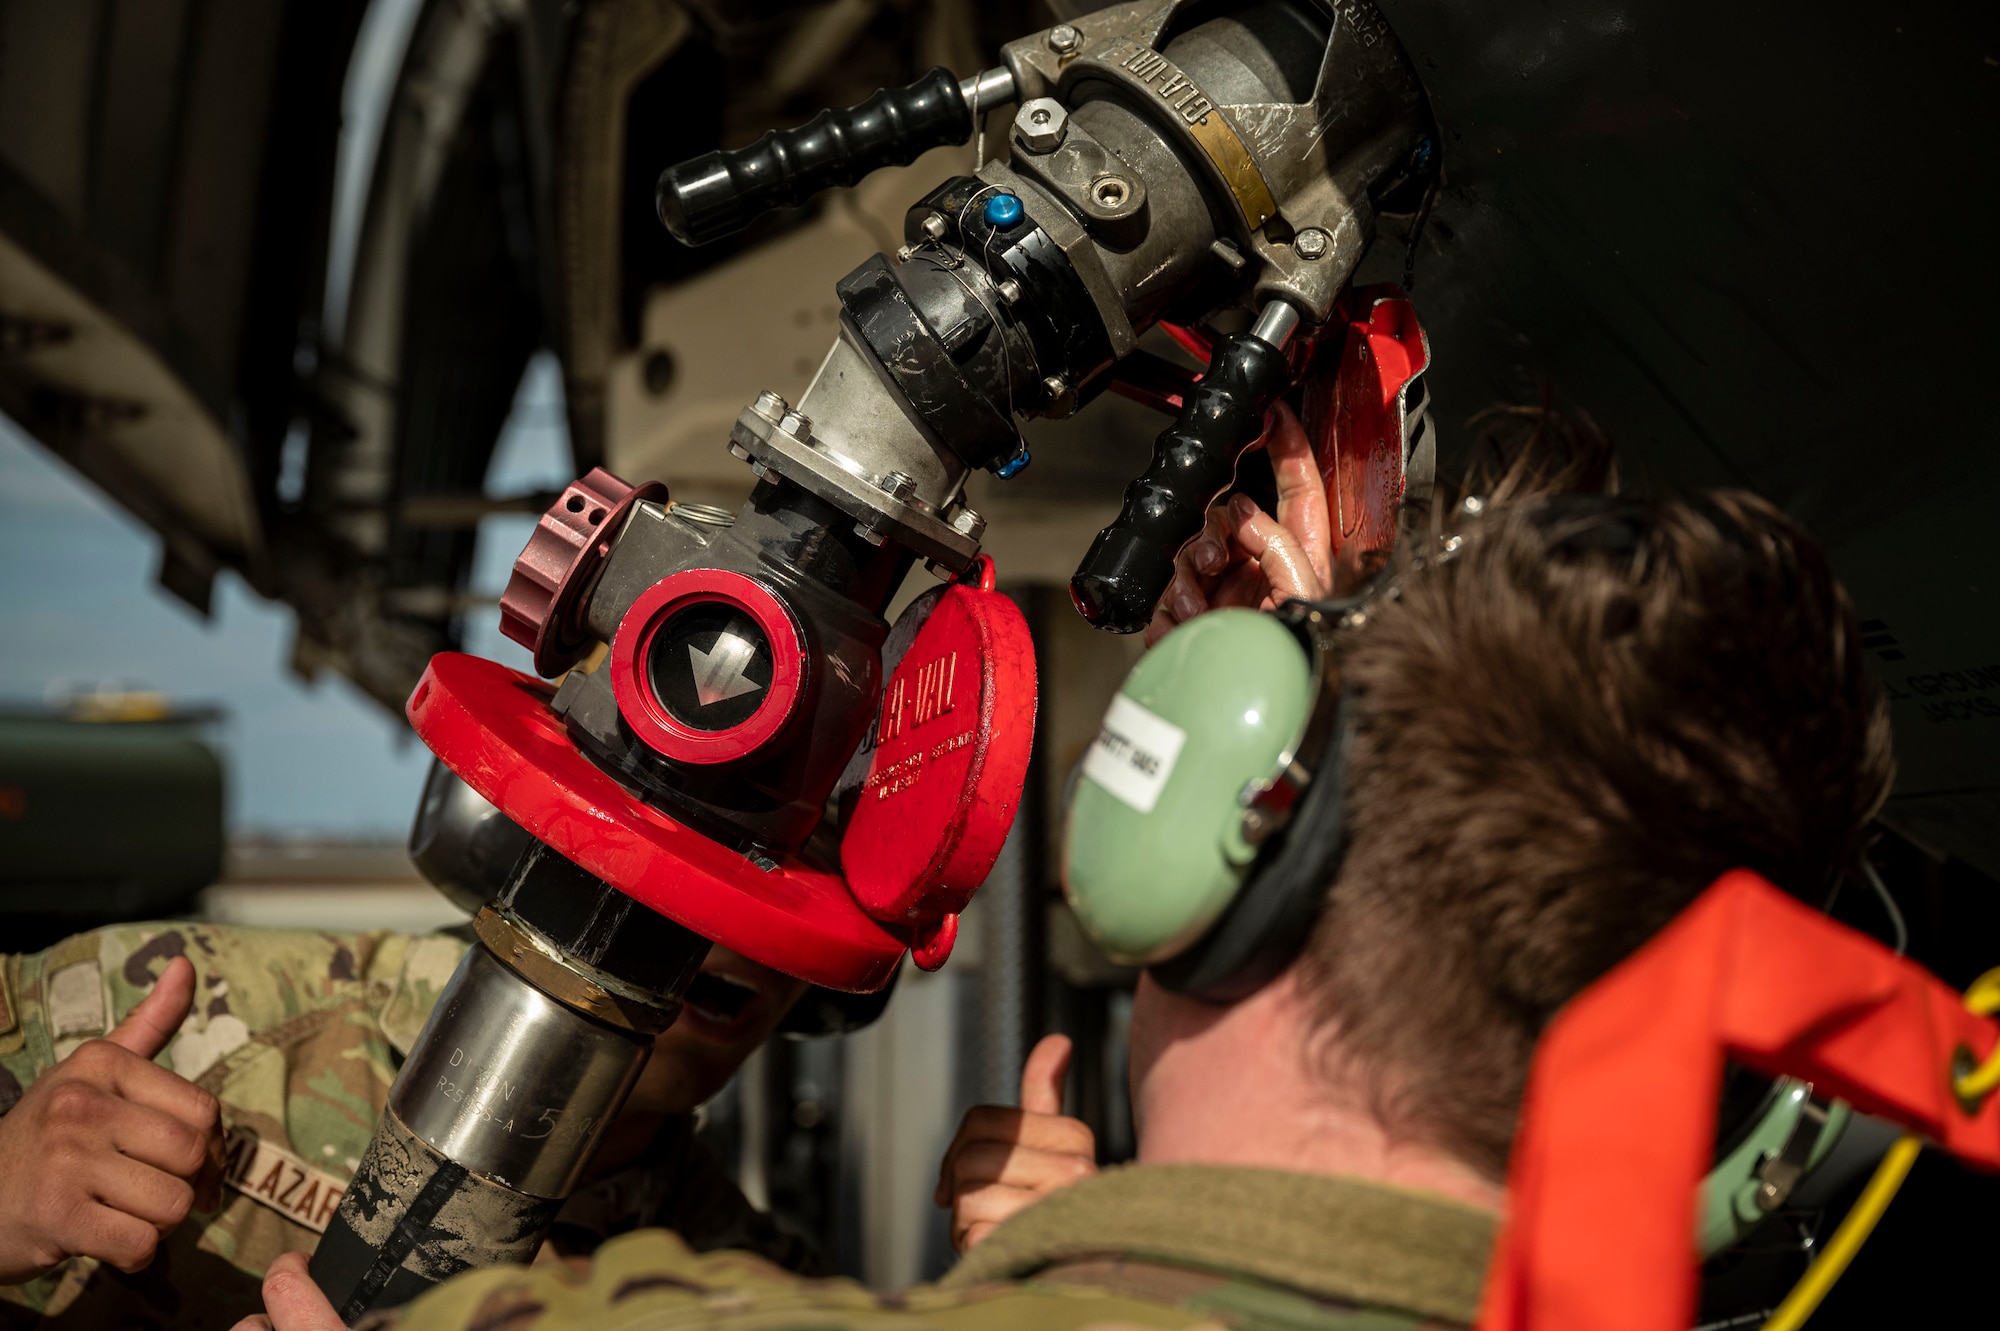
(770, 405)
(1110, 192)
(1312, 243)
(934, 226)
(1064, 39)
(1041, 124)
(897, 485)
(798, 425)
(967, 523)
(1010, 291)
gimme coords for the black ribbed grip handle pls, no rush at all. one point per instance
(720, 193)
(1131, 562)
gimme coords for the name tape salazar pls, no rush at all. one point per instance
(280, 1180)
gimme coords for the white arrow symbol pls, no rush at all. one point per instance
(718, 672)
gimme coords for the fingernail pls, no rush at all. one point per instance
(1207, 556)
(1186, 607)
(1241, 507)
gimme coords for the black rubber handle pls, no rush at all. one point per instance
(1131, 562)
(720, 193)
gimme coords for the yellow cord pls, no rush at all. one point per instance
(1847, 1240)
(1984, 998)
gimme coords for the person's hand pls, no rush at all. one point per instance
(292, 1302)
(1005, 1159)
(1244, 556)
(107, 1151)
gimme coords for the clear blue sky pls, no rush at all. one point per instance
(79, 608)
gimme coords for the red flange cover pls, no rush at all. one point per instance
(950, 759)
(493, 727)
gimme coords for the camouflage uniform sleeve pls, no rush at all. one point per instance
(287, 1031)
(652, 1278)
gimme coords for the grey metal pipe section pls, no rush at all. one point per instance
(1276, 323)
(511, 1084)
(988, 89)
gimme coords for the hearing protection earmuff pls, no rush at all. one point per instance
(1206, 825)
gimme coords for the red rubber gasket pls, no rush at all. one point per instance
(641, 707)
(493, 727)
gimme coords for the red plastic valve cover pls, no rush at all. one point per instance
(493, 727)
(950, 758)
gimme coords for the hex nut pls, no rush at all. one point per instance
(966, 522)
(1041, 124)
(1312, 243)
(1064, 39)
(798, 425)
(770, 405)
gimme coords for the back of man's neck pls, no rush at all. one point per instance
(1233, 1086)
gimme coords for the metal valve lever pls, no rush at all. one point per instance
(1131, 562)
(720, 193)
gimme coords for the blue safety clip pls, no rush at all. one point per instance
(1003, 210)
(1011, 468)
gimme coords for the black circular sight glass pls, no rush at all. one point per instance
(710, 666)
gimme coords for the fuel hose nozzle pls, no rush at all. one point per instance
(532, 1049)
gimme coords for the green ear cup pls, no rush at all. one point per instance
(1153, 850)
(1755, 1178)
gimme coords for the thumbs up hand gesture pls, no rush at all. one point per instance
(108, 1151)
(1003, 1160)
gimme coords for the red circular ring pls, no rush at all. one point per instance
(641, 707)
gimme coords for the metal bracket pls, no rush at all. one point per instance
(878, 514)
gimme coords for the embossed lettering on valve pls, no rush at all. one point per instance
(488, 1098)
(915, 701)
(1176, 89)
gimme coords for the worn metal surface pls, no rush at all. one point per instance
(512, 1084)
(411, 1219)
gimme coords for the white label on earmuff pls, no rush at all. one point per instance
(1134, 753)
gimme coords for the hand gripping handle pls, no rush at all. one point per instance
(1131, 562)
(720, 193)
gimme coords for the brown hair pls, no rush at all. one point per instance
(1569, 726)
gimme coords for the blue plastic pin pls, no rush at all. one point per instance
(1011, 468)
(1003, 209)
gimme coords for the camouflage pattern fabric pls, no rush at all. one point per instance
(1176, 1247)
(298, 1035)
